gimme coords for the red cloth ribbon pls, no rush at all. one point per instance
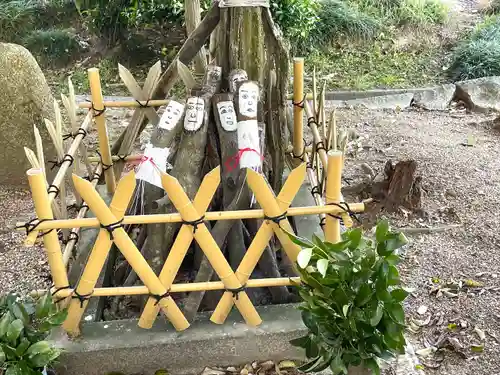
(233, 161)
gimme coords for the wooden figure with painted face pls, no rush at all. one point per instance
(212, 78)
(248, 100)
(227, 115)
(195, 113)
(171, 116)
(235, 77)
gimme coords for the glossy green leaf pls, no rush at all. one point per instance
(21, 348)
(309, 366)
(345, 309)
(14, 369)
(58, 318)
(337, 366)
(304, 257)
(396, 312)
(14, 330)
(364, 295)
(7, 318)
(381, 231)
(9, 352)
(393, 259)
(40, 347)
(44, 359)
(322, 266)
(372, 365)
(19, 312)
(300, 342)
(2, 357)
(377, 315)
(395, 241)
(309, 322)
(399, 295)
(393, 277)
(43, 306)
(355, 237)
(303, 242)
(337, 247)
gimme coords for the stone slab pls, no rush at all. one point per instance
(436, 98)
(396, 101)
(124, 347)
(481, 94)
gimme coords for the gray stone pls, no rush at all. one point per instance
(481, 94)
(396, 101)
(25, 101)
(435, 98)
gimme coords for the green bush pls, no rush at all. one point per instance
(352, 300)
(15, 17)
(24, 326)
(54, 46)
(479, 55)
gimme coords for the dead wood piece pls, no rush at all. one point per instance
(404, 188)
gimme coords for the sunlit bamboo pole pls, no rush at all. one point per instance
(306, 149)
(331, 138)
(333, 184)
(313, 181)
(98, 256)
(102, 131)
(181, 245)
(50, 238)
(128, 103)
(315, 91)
(273, 207)
(131, 253)
(96, 159)
(210, 248)
(321, 115)
(68, 248)
(30, 240)
(176, 288)
(298, 97)
(209, 216)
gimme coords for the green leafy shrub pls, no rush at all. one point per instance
(15, 16)
(352, 300)
(54, 45)
(24, 326)
(479, 55)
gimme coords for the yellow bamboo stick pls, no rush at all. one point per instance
(322, 118)
(131, 253)
(333, 184)
(128, 103)
(30, 240)
(96, 159)
(102, 131)
(98, 255)
(273, 207)
(50, 239)
(176, 288)
(298, 97)
(212, 251)
(315, 92)
(181, 245)
(210, 216)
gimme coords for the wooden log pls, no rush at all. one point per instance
(192, 16)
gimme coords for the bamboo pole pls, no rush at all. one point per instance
(68, 249)
(102, 131)
(179, 249)
(273, 207)
(315, 91)
(98, 255)
(210, 216)
(96, 159)
(131, 253)
(128, 103)
(50, 239)
(175, 288)
(333, 195)
(298, 97)
(321, 110)
(210, 248)
(30, 240)
(331, 138)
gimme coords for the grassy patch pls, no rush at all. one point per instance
(377, 64)
(478, 55)
(15, 18)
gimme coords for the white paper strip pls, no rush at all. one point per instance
(155, 158)
(249, 145)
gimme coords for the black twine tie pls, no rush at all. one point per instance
(98, 112)
(57, 291)
(31, 225)
(81, 297)
(276, 219)
(53, 189)
(111, 227)
(300, 104)
(194, 223)
(236, 292)
(66, 158)
(345, 207)
(143, 105)
(159, 297)
(70, 135)
(105, 167)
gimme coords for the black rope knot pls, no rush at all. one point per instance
(57, 291)
(276, 219)
(111, 227)
(31, 225)
(53, 189)
(236, 292)
(345, 207)
(73, 236)
(81, 297)
(301, 103)
(143, 105)
(159, 297)
(98, 112)
(122, 157)
(320, 146)
(315, 190)
(194, 223)
(311, 120)
(56, 164)
(71, 135)
(95, 176)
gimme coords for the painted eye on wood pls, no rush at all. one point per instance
(194, 113)
(171, 115)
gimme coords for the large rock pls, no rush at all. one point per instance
(481, 94)
(394, 101)
(435, 98)
(25, 99)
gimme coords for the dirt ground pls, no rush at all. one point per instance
(461, 186)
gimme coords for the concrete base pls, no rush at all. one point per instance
(122, 346)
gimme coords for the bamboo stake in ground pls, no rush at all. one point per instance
(181, 245)
(274, 207)
(102, 131)
(98, 255)
(298, 108)
(203, 237)
(50, 239)
(333, 195)
(130, 251)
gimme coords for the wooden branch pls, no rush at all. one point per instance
(192, 16)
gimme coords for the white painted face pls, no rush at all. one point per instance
(215, 73)
(171, 115)
(235, 77)
(248, 99)
(195, 108)
(227, 116)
